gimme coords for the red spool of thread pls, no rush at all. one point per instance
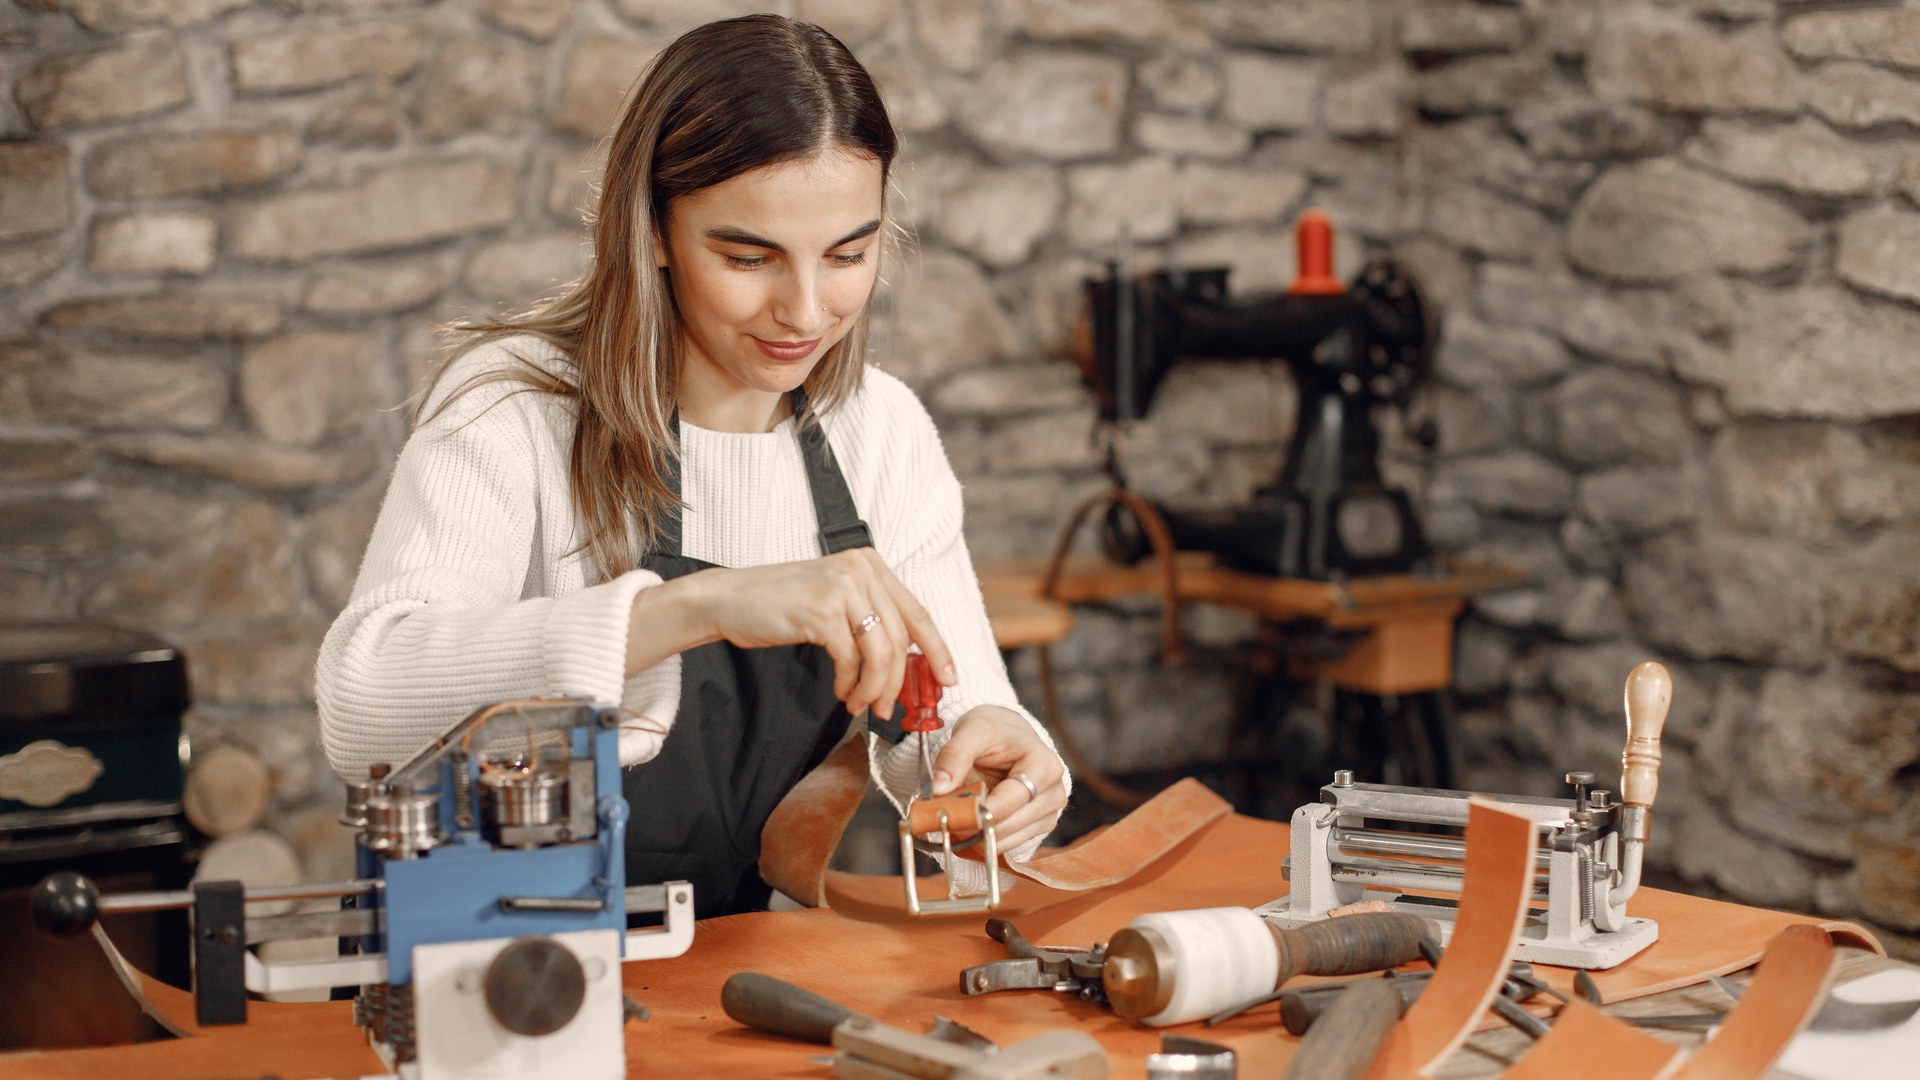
(1313, 239)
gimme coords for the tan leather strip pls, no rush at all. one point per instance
(1785, 993)
(804, 829)
(1142, 837)
(1587, 1042)
(1497, 885)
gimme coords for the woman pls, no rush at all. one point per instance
(678, 488)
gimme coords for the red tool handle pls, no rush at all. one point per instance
(920, 695)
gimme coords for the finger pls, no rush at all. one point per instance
(895, 628)
(919, 626)
(1014, 807)
(879, 659)
(970, 741)
(837, 638)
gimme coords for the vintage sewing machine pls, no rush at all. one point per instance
(1591, 849)
(488, 923)
(1351, 349)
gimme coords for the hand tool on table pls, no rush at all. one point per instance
(1070, 969)
(1591, 849)
(1834, 1015)
(1302, 1006)
(870, 1050)
(1344, 1042)
(489, 909)
(957, 818)
(1181, 1058)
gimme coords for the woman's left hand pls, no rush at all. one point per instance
(997, 743)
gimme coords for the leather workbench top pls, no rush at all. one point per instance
(904, 973)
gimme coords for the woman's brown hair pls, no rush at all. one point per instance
(721, 100)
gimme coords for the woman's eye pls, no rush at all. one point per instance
(850, 260)
(744, 262)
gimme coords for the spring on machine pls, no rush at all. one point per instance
(462, 791)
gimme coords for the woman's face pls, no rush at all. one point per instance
(771, 269)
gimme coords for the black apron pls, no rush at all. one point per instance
(752, 722)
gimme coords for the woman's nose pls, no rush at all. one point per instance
(800, 305)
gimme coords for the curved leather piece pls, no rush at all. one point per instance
(1497, 886)
(1787, 990)
(1582, 1037)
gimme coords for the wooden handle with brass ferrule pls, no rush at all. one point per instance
(1350, 944)
(1649, 693)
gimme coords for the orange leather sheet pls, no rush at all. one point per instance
(905, 973)
(1583, 1035)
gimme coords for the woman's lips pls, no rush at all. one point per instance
(787, 350)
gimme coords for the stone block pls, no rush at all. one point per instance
(916, 101)
(1888, 870)
(1634, 502)
(1873, 604)
(1686, 67)
(396, 207)
(1592, 678)
(332, 543)
(571, 184)
(1269, 93)
(1058, 106)
(1043, 441)
(516, 271)
(852, 21)
(1564, 28)
(309, 57)
(1806, 158)
(599, 73)
(1138, 197)
(1861, 98)
(375, 287)
(1604, 416)
(1578, 127)
(166, 165)
(1888, 37)
(1481, 84)
(536, 19)
(1306, 26)
(1184, 82)
(1116, 22)
(1009, 390)
(1738, 597)
(178, 315)
(251, 461)
(303, 388)
(1703, 223)
(1587, 609)
(1780, 478)
(998, 215)
(476, 82)
(119, 82)
(56, 528)
(23, 262)
(1820, 351)
(943, 318)
(1481, 152)
(1225, 195)
(954, 34)
(36, 460)
(190, 562)
(113, 16)
(1472, 422)
(255, 665)
(1588, 547)
(1475, 354)
(52, 385)
(1452, 27)
(1829, 747)
(1514, 482)
(1655, 329)
(180, 242)
(1486, 223)
(1190, 137)
(367, 113)
(35, 195)
(685, 14)
(1875, 249)
(1369, 105)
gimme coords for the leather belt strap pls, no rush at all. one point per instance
(800, 837)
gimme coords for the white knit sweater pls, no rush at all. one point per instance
(472, 590)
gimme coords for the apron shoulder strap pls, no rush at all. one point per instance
(841, 526)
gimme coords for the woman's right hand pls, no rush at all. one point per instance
(849, 603)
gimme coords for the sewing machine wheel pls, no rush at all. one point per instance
(1403, 329)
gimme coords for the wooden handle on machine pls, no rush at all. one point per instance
(1350, 944)
(1649, 693)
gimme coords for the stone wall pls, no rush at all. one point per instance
(1671, 240)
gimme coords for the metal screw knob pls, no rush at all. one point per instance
(1580, 781)
(1343, 778)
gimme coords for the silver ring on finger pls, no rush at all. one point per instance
(867, 624)
(1026, 782)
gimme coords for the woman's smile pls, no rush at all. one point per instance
(787, 351)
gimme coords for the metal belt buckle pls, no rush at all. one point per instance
(954, 902)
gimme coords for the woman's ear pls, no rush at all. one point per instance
(659, 246)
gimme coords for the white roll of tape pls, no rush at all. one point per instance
(1221, 957)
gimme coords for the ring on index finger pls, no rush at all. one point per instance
(872, 620)
(1026, 782)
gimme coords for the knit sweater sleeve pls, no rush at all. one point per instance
(441, 621)
(926, 548)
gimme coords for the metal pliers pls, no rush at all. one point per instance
(1069, 970)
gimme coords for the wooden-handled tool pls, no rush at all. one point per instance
(868, 1048)
(1343, 1042)
(1155, 967)
(1649, 694)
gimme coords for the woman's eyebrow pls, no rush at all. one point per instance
(727, 234)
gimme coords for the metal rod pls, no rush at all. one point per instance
(314, 924)
(123, 903)
(1378, 842)
(581, 904)
(1403, 875)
